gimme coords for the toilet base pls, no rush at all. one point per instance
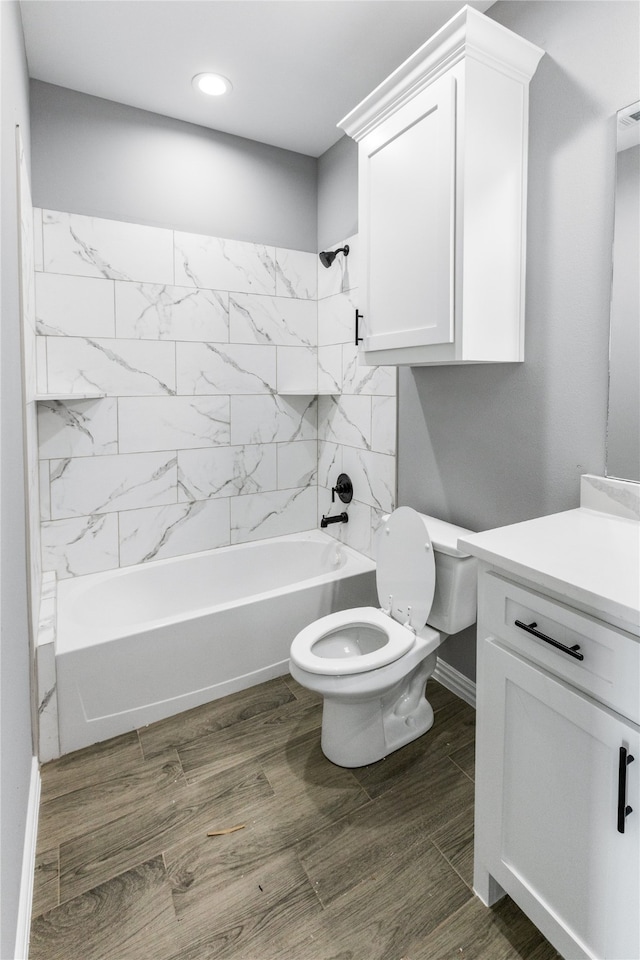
(359, 732)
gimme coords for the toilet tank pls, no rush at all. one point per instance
(455, 598)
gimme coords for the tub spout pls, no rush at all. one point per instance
(339, 518)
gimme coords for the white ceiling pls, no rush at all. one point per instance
(297, 66)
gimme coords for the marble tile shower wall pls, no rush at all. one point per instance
(356, 411)
(209, 355)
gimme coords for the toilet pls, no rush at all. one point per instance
(371, 665)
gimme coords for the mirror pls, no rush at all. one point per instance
(623, 421)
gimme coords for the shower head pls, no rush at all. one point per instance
(328, 256)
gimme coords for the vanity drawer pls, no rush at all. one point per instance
(609, 669)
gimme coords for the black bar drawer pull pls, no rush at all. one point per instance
(531, 628)
(359, 316)
(623, 809)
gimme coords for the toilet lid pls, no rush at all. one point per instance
(405, 568)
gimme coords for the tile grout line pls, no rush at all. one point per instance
(468, 885)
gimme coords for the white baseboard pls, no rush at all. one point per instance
(455, 681)
(25, 902)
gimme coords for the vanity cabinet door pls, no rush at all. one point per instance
(407, 214)
(548, 807)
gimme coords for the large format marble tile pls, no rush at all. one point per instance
(356, 533)
(297, 463)
(41, 365)
(271, 419)
(225, 368)
(330, 369)
(93, 247)
(296, 274)
(217, 264)
(77, 429)
(232, 324)
(337, 319)
(37, 239)
(273, 514)
(80, 545)
(155, 533)
(43, 484)
(74, 306)
(172, 423)
(373, 476)
(384, 412)
(297, 370)
(358, 378)
(226, 471)
(346, 420)
(162, 312)
(277, 320)
(329, 463)
(112, 367)
(48, 739)
(88, 485)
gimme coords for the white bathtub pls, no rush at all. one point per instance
(138, 644)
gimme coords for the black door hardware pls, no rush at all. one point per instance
(531, 628)
(623, 809)
(359, 339)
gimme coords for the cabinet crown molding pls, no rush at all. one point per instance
(468, 34)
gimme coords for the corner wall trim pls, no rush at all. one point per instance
(25, 902)
(455, 681)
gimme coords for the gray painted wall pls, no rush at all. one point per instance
(15, 708)
(485, 446)
(338, 193)
(105, 159)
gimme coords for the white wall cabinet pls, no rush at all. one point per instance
(442, 199)
(557, 798)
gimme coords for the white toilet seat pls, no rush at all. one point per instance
(395, 641)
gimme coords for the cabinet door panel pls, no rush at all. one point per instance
(407, 214)
(555, 778)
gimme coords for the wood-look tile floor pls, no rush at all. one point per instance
(330, 864)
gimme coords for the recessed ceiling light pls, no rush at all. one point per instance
(212, 84)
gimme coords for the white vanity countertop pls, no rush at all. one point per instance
(585, 556)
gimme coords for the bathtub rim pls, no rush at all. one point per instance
(68, 639)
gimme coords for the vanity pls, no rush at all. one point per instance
(557, 816)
